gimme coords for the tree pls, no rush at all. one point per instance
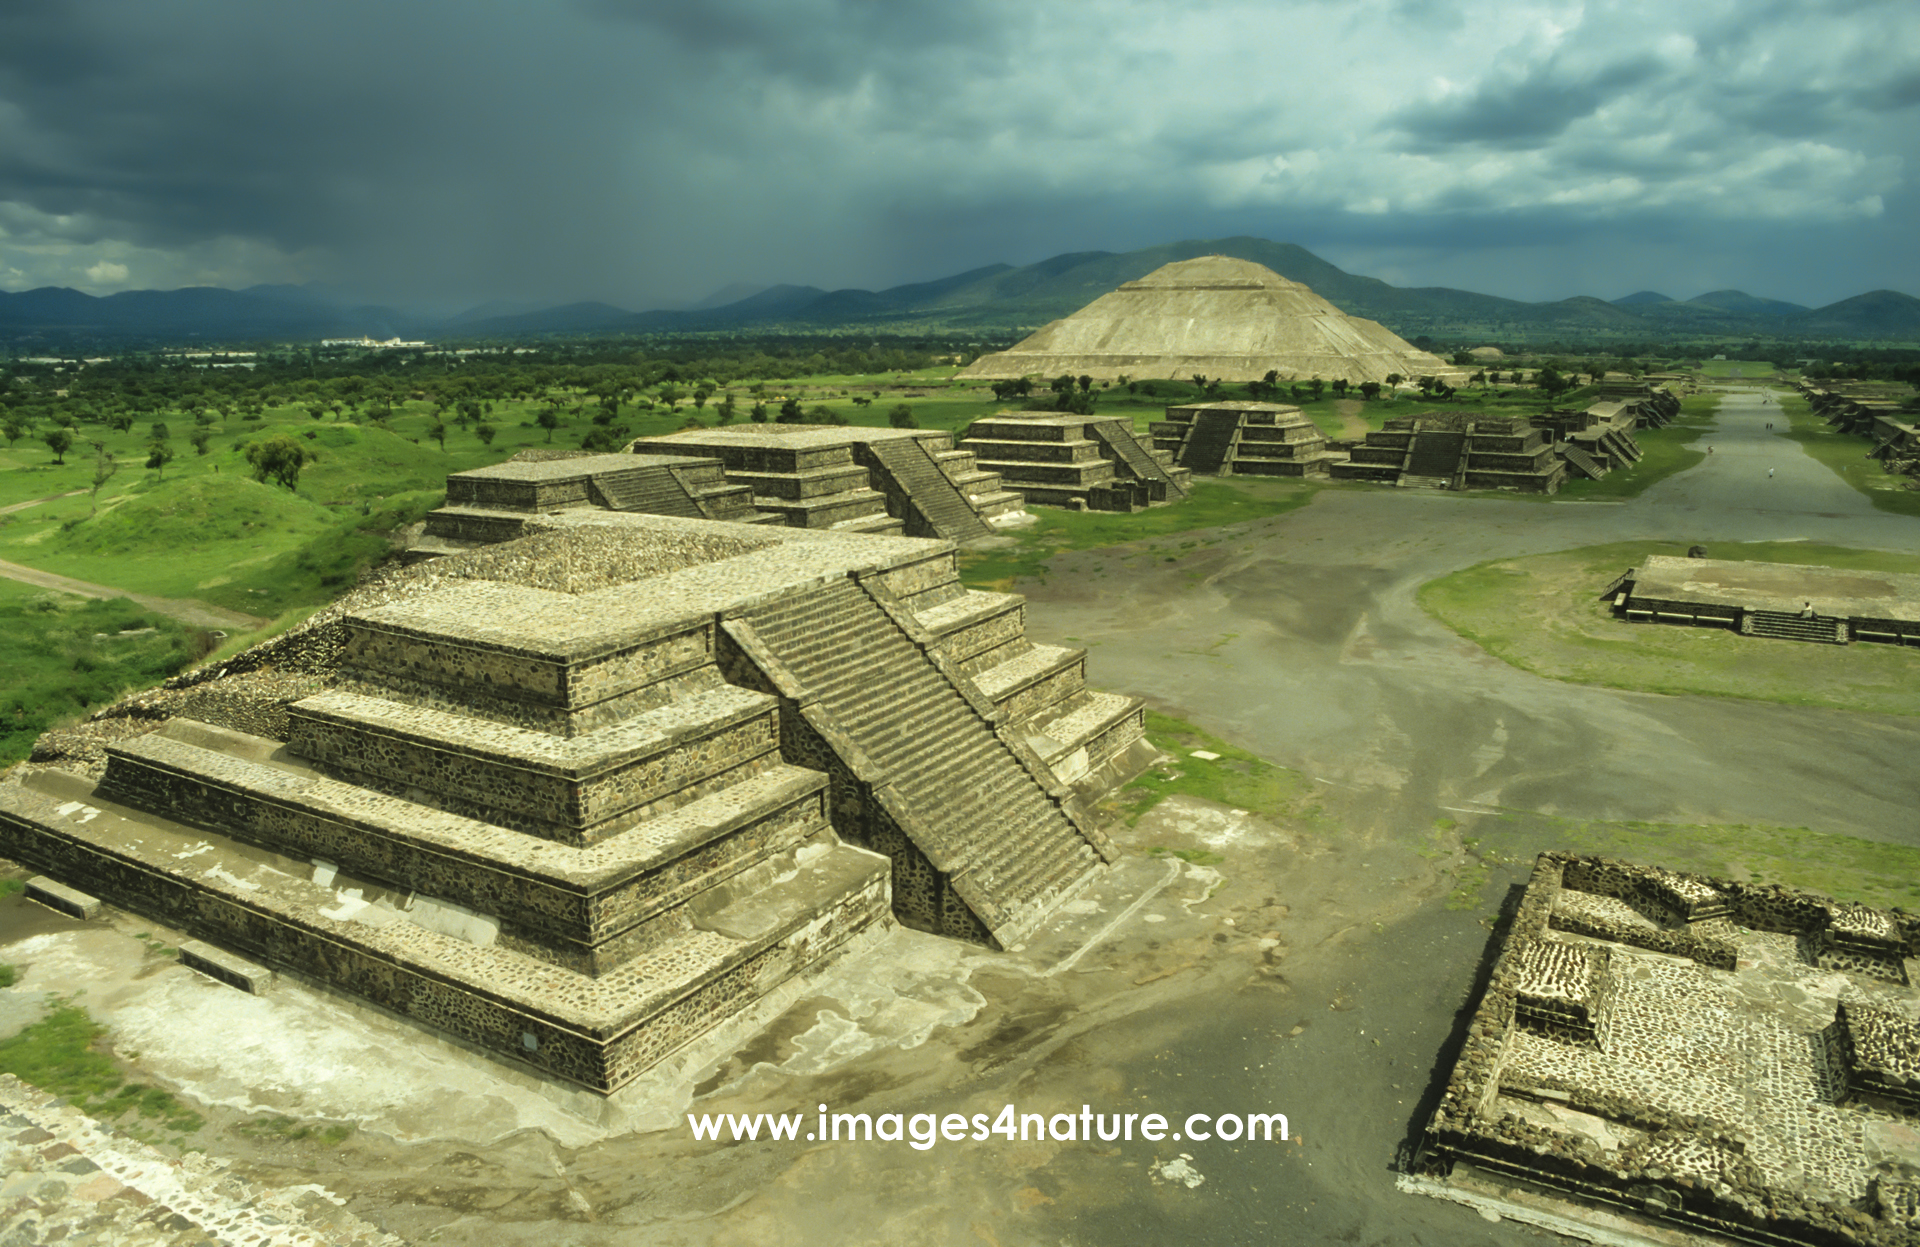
(15, 428)
(484, 432)
(60, 441)
(790, 412)
(280, 458)
(757, 413)
(439, 433)
(1370, 390)
(548, 419)
(160, 432)
(1318, 387)
(901, 417)
(200, 440)
(1394, 378)
(1340, 386)
(159, 455)
(104, 466)
(1086, 383)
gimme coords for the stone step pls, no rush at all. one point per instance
(1783, 626)
(880, 524)
(589, 907)
(576, 790)
(1028, 683)
(597, 1032)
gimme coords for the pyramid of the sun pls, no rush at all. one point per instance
(1228, 319)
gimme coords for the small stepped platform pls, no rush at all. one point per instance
(814, 477)
(1237, 438)
(1082, 463)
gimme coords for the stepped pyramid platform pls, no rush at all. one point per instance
(1788, 601)
(854, 478)
(577, 798)
(1456, 450)
(1217, 316)
(1244, 439)
(487, 505)
(1085, 463)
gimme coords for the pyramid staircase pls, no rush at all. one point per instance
(919, 490)
(984, 837)
(1209, 447)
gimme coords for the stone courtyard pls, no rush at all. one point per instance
(1739, 1083)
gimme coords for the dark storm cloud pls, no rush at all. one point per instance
(1526, 113)
(640, 152)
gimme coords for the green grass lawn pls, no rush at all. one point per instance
(63, 655)
(1846, 455)
(1543, 614)
(1846, 867)
(1215, 502)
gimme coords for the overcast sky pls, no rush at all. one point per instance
(644, 153)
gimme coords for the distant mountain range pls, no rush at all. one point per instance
(996, 299)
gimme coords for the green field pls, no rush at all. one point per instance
(1543, 614)
(1215, 502)
(64, 655)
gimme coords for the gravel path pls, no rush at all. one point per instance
(186, 610)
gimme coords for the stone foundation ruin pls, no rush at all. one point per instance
(1739, 1059)
(1787, 601)
(578, 797)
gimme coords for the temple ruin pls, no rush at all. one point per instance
(1789, 601)
(1244, 439)
(1084, 463)
(579, 795)
(851, 480)
(1228, 319)
(1734, 1058)
(1456, 450)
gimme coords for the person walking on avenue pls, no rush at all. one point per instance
(1769, 473)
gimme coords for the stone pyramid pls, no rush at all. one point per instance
(1229, 319)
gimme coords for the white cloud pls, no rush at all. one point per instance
(106, 273)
